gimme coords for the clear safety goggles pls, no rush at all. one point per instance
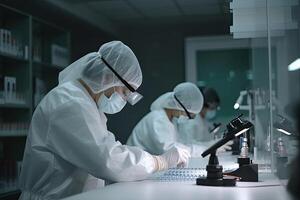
(185, 110)
(132, 97)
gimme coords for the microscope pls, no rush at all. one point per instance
(284, 127)
(246, 171)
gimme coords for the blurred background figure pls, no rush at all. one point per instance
(157, 131)
(202, 128)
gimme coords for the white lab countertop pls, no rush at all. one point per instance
(152, 190)
(268, 187)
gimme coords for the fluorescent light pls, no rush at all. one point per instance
(284, 131)
(294, 65)
(241, 132)
(239, 101)
(236, 106)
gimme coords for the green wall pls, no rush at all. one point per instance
(227, 71)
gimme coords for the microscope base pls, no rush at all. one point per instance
(246, 173)
(281, 166)
(226, 181)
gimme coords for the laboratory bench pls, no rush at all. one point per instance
(156, 190)
(162, 186)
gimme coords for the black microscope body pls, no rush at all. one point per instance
(247, 171)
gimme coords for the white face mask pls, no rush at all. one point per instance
(211, 114)
(180, 120)
(115, 103)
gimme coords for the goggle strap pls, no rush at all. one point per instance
(117, 75)
(186, 111)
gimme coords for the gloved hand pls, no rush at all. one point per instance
(174, 157)
(225, 147)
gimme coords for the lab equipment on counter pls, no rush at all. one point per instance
(240, 99)
(256, 100)
(284, 127)
(281, 159)
(215, 176)
(180, 174)
(247, 171)
(251, 101)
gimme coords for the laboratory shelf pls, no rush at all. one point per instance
(15, 105)
(42, 48)
(12, 57)
(13, 133)
(47, 65)
(9, 191)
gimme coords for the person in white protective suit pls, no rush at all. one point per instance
(156, 132)
(69, 149)
(200, 128)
